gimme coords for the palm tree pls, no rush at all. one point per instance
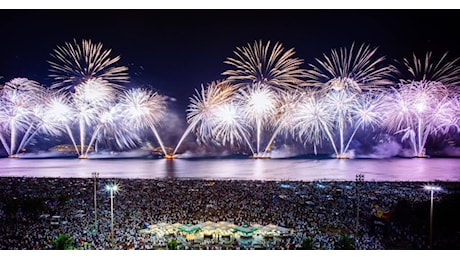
(307, 244)
(345, 243)
(172, 244)
(63, 242)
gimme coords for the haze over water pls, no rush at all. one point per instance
(391, 169)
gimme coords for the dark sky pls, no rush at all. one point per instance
(175, 51)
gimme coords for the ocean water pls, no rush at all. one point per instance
(308, 169)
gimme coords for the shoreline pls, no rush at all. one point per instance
(330, 180)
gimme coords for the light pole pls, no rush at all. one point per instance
(359, 179)
(111, 188)
(432, 189)
(95, 175)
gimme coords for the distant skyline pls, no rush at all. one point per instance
(175, 51)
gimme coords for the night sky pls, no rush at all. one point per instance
(175, 51)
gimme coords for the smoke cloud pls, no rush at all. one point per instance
(386, 148)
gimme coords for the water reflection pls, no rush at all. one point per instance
(170, 170)
(394, 169)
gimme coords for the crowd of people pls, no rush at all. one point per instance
(321, 211)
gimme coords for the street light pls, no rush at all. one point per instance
(111, 188)
(359, 179)
(432, 189)
(95, 175)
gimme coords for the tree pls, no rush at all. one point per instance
(63, 242)
(307, 244)
(172, 244)
(345, 243)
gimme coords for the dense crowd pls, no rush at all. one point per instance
(321, 211)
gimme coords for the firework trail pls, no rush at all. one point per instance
(341, 78)
(111, 123)
(367, 113)
(342, 104)
(283, 120)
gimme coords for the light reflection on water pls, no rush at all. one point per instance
(394, 169)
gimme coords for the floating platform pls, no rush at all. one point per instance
(170, 156)
(260, 156)
(421, 156)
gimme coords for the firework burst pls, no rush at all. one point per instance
(76, 63)
(418, 110)
(355, 70)
(443, 71)
(259, 63)
(205, 101)
(90, 101)
(18, 112)
(24, 85)
(228, 126)
(96, 92)
(201, 110)
(367, 113)
(259, 103)
(320, 117)
(142, 108)
(258, 100)
(313, 121)
(283, 119)
(111, 128)
(47, 118)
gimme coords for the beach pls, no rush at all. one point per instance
(322, 212)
